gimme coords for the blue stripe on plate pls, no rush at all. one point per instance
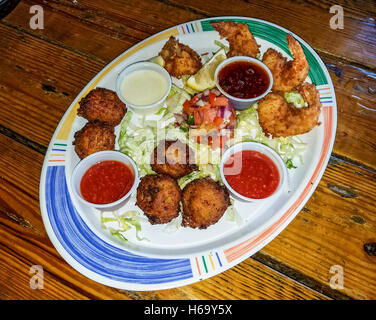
(97, 255)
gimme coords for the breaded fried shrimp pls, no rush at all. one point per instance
(282, 119)
(240, 38)
(287, 74)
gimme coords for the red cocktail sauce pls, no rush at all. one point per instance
(106, 182)
(252, 174)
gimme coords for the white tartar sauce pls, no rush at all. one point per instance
(143, 87)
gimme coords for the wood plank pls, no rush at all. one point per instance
(356, 111)
(310, 20)
(114, 26)
(20, 218)
(251, 280)
(44, 91)
(131, 22)
(332, 229)
(48, 79)
(24, 243)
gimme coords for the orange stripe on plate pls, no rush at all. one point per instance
(244, 247)
(67, 125)
(198, 267)
(56, 160)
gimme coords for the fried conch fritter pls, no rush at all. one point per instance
(282, 119)
(239, 37)
(287, 74)
(102, 105)
(204, 203)
(159, 195)
(94, 137)
(179, 58)
(173, 158)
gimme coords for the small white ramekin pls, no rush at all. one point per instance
(238, 103)
(283, 175)
(143, 65)
(94, 158)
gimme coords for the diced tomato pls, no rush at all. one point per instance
(209, 115)
(218, 121)
(212, 98)
(187, 107)
(220, 101)
(194, 99)
(205, 107)
(198, 119)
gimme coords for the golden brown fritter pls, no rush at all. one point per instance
(102, 105)
(204, 203)
(159, 195)
(94, 137)
(179, 58)
(173, 158)
(239, 37)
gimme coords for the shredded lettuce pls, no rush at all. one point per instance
(118, 224)
(233, 215)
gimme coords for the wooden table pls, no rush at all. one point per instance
(42, 71)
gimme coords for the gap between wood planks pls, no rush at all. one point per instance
(298, 276)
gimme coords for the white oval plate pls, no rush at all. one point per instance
(188, 255)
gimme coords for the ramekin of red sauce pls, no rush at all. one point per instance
(105, 179)
(253, 172)
(243, 80)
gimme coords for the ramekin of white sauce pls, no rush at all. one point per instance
(143, 86)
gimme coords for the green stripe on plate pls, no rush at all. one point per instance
(277, 37)
(206, 268)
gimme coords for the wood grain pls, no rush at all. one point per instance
(48, 79)
(124, 21)
(332, 229)
(24, 243)
(327, 233)
(50, 90)
(42, 71)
